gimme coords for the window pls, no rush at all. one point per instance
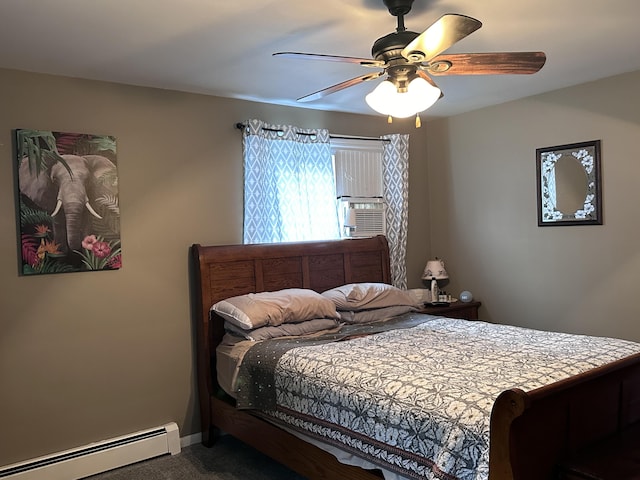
(295, 189)
(289, 184)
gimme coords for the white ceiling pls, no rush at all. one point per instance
(224, 48)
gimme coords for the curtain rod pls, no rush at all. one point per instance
(241, 126)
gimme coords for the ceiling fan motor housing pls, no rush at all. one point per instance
(389, 47)
(398, 7)
(388, 50)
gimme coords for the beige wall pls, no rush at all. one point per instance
(87, 356)
(484, 220)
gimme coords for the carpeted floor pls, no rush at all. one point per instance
(228, 459)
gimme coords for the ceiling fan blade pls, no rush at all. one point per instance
(442, 34)
(501, 63)
(424, 75)
(339, 86)
(365, 62)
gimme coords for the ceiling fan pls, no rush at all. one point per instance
(406, 56)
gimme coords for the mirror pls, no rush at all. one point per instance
(569, 190)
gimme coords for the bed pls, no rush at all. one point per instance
(530, 432)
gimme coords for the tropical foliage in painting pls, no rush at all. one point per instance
(68, 202)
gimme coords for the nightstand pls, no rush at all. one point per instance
(468, 311)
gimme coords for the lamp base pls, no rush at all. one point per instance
(435, 291)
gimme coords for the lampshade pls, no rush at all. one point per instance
(434, 269)
(386, 98)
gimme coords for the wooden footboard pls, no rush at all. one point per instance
(532, 432)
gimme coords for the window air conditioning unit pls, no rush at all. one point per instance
(361, 217)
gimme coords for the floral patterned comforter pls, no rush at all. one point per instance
(415, 400)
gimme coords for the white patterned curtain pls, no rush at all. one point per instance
(289, 185)
(395, 171)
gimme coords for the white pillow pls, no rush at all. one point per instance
(290, 305)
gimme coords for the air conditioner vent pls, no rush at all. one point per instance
(362, 217)
(369, 222)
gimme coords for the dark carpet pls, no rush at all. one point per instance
(228, 459)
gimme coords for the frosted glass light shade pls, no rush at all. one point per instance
(419, 96)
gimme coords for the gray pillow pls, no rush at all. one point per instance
(286, 329)
(375, 314)
(366, 296)
(290, 305)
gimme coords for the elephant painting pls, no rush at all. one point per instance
(69, 213)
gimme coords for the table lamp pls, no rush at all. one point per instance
(434, 270)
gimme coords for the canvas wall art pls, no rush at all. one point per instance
(68, 210)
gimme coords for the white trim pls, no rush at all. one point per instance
(189, 440)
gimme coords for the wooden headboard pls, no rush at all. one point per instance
(228, 270)
(224, 271)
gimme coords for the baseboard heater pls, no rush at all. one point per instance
(98, 457)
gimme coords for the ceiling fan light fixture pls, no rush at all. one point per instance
(387, 100)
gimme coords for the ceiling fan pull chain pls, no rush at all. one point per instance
(389, 119)
(418, 122)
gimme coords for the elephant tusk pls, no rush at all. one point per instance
(92, 211)
(57, 209)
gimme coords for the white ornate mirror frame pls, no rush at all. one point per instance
(569, 185)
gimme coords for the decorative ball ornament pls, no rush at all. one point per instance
(466, 296)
